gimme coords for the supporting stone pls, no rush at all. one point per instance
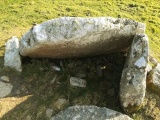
(89, 113)
(153, 79)
(12, 57)
(79, 37)
(133, 79)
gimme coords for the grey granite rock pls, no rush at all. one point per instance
(153, 60)
(5, 89)
(12, 57)
(89, 113)
(49, 113)
(77, 82)
(60, 103)
(79, 37)
(153, 79)
(133, 79)
(4, 78)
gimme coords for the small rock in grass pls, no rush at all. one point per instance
(77, 82)
(53, 80)
(28, 117)
(55, 68)
(5, 78)
(71, 65)
(23, 88)
(5, 89)
(60, 103)
(17, 92)
(49, 113)
(153, 79)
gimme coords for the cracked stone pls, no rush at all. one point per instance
(133, 79)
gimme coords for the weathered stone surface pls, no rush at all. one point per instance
(89, 113)
(77, 82)
(79, 37)
(5, 78)
(12, 58)
(5, 89)
(153, 60)
(149, 68)
(133, 79)
(60, 103)
(49, 113)
(153, 79)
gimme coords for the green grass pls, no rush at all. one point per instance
(17, 17)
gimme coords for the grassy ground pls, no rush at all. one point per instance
(17, 16)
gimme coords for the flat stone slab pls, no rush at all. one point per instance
(89, 113)
(133, 79)
(79, 37)
(153, 79)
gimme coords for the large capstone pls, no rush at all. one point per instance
(12, 57)
(133, 79)
(89, 113)
(79, 37)
(153, 79)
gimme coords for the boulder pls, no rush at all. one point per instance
(153, 79)
(79, 37)
(12, 57)
(133, 79)
(4, 78)
(89, 113)
(5, 89)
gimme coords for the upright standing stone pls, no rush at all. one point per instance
(133, 80)
(79, 37)
(12, 57)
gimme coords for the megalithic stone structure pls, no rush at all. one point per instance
(67, 37)
(133, 79)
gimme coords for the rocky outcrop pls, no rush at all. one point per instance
(153, 79)
(89, 113)
(12, 57)
(133, 79)
(79, 37)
